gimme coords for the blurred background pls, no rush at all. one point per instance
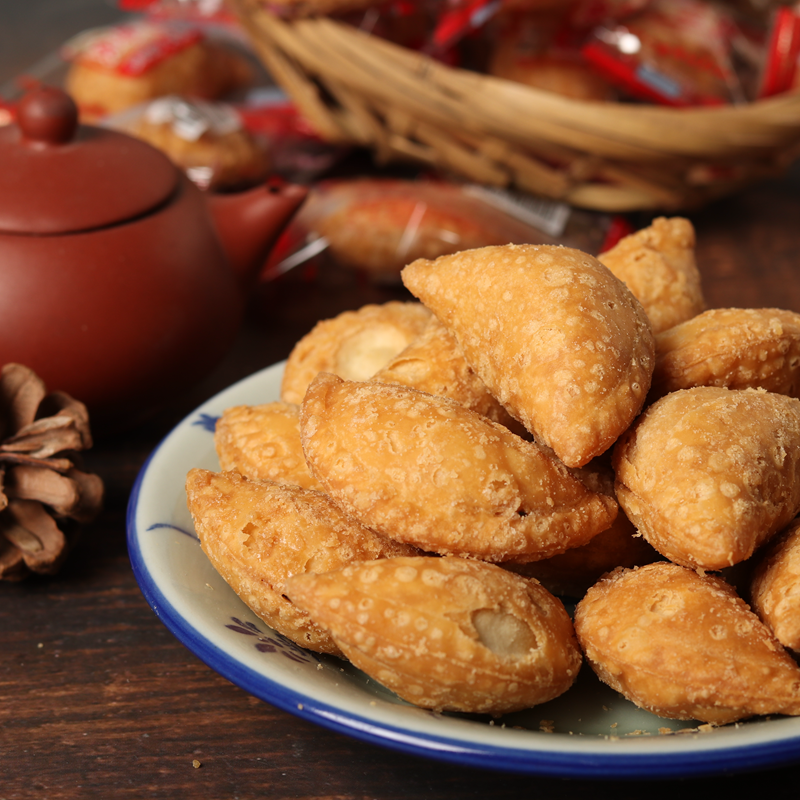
(32, 31)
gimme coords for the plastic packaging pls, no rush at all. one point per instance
(376, 226)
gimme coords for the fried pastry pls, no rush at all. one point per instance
(434, 363)
(775, 587)
(658, 265)
(570, 574)
(738, 348)
(426, 471)
(353, 345)
(558, 340)
(684, 646)
(258, 533)
(446, 633)
(708, 474)
(263, 442)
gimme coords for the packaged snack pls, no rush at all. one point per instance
(114, 68)
(208, 140)
(297, 153)
(586, 13)
(674, 52)
(391, 222)
(198, 11)
(543, 51)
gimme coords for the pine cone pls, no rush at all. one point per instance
(43, 493)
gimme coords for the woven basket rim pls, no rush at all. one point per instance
(397, 100)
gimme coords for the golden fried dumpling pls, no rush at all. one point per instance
(434, 363)
(263, 442)
(684, 646)
(658, 265)
(739, 348)
(775, 588)
(446, 633)
(353, 345)
(707, 475)
(426, 471)
(571, 573)
(258, 533)
(559, 341)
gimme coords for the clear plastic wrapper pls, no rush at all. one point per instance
(297, 153)
(376, 226)
(207, 140)
(542, 50)
(675, 52)
(120, 66)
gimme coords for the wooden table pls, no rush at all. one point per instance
(98, 699)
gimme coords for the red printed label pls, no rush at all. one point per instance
(136, 48)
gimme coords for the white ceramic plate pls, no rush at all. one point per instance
(588, 732)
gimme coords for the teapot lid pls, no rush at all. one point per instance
(61, 177)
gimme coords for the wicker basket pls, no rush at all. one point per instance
(362, 90)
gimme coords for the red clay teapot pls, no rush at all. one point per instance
(121, 282)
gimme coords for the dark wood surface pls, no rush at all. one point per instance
(98, 699)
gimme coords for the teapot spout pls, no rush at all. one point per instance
(249, 223)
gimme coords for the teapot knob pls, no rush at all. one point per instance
(47, 115)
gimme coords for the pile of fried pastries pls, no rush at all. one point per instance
(538, 427)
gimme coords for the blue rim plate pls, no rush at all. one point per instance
(590, 732)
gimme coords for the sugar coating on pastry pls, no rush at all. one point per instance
(658, 265)
(738, 348)
(775, 587)
(559, 341)
(434, 363)
(684, 646)
(263, 442)
(708, 474)
(426, 471)
(353, 345)
(258, 533)
(446, 633)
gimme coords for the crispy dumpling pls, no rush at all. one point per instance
(446, 633)
(738, 348)
(426, 471)
(560, 341)
(684, 646)
(263, 442)
(258, 533)
(571, 573)
(434, 363)
(353, 345)
(658, 265)
(775, 586)
(707, 475)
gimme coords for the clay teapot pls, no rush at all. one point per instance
(121, 282)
